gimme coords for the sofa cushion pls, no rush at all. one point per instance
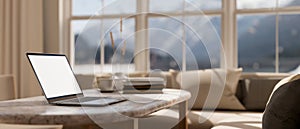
(232, 119)
(168, 118)
(283, 108)
(197, 119)
(256, 93)
(210, 89)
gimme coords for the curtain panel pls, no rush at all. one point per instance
(21, 31)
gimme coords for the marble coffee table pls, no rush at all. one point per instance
(36, 110)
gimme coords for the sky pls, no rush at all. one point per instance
(261, 3)
(93, 7)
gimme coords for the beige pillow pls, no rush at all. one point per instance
(210, 90)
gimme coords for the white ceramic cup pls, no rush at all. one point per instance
(105, 84)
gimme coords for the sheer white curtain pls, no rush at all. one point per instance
(21, 30)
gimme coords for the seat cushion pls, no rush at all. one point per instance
(232, 119)
(197, 119)
(256, 93)
(169, 118)
(283, 108)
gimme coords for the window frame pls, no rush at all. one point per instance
(142, 61)
(277, 11)
(228, 14)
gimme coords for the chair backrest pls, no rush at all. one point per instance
(7, 87)
(7, 91)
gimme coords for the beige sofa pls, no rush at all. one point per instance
(241, 108)
(253, 92)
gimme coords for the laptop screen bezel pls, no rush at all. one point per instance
(52, 99)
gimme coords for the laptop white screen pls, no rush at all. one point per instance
(55, 75)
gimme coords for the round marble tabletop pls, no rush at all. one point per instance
(36, 110)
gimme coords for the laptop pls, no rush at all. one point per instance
(59, 84)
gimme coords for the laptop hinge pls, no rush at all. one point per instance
(50, 100)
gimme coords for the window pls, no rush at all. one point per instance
(173, 34)
(93, 23)
(289, 42)
(256, 38)
(268, 35)
(265, 32)
(178, 33)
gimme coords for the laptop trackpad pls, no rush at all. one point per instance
(90, 101)
(101, 102)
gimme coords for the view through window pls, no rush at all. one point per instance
(99, 37)
(267, 34)
(170, 31)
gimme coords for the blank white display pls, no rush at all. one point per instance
(55, 75)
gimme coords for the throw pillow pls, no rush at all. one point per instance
(283, 108)
(257, 92)
(212, 88)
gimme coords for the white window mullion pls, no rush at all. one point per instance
(142, 60)
(183, 39)
(66, 40)
(229, 34)
(102, 45)
(277, 40)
